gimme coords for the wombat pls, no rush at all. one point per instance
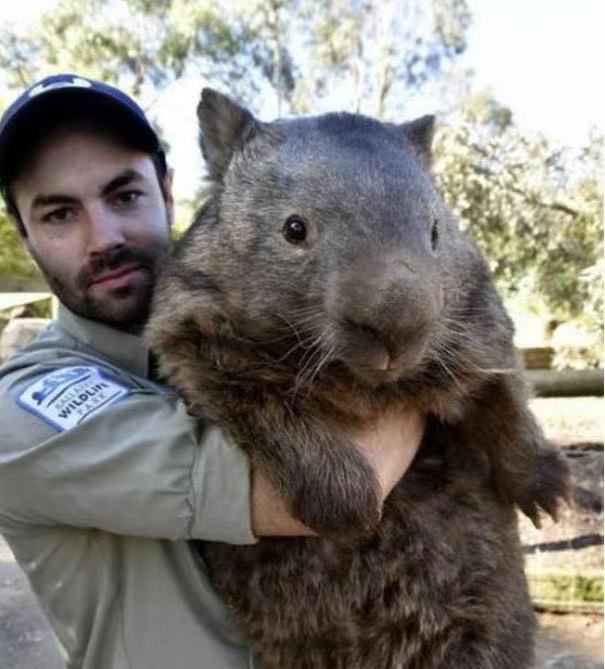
(323, 282)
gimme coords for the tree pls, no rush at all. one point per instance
(375, 53)
(296, 48)
(137, 44)
(536, 210)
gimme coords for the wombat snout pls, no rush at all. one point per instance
(385, 314)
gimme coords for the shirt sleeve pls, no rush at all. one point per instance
(141, 467)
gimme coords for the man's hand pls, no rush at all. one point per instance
(389, 446)
(270, 516)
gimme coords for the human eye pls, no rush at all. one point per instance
(126, 198)
(59, 215)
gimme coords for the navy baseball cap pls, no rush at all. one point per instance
(63, 97)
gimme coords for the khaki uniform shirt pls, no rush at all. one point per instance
(103, 478)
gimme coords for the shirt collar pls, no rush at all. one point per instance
(126, 350)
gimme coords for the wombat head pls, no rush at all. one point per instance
(326, 240)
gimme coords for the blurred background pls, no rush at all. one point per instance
(517, 89)
(514, 85)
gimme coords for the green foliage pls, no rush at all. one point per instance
(14, 260)
(377, 53)
(561, 589)
(136, 44)
(535, 210)
(303, 51)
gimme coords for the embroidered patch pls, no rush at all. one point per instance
(66, 397)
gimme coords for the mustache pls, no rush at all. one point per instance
(114, 260)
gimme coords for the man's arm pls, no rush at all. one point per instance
(389, 446)
(144, 467)
(140, 466)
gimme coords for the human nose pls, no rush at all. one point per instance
(105, 231)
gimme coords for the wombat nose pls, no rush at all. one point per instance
(398, 337)
(388, 309)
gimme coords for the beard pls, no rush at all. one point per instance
(125, 307)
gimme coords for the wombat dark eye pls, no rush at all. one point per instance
(295, 230)
(434, 235)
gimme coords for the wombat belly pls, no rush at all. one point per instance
(440, 584)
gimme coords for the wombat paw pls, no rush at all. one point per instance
(548, 485)
(342, 516)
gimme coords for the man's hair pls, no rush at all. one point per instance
(30, 145)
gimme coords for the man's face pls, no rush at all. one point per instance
(97, 222)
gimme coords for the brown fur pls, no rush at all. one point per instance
(284, 344)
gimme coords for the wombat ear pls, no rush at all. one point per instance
(419, 134)
(224, 127)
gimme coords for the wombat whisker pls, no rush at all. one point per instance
(288, 353)
(304, 311)
(310, 360)
(504, 370)
(328, 354)
(444, 350)
(282, 328)
(313, 325)
(469, 365)
(451, 375)
(466, 308)
(313, 321)
(307, 363)
(446, 347)
(277, 340)
(320, 364)
(467, 362)
(316, 358)
(313, 345)
(304, 308)
(450, 320)
(456, 355)
(465, 313)
(305, 343)
(462, 361)
(289, 323)
(303, 340)
(454, 326)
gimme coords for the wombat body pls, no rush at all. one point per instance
(323, 283)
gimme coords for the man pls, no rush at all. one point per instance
(103, 475)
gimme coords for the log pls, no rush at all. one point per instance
(18, 333)
(565, 383)
(537, 357)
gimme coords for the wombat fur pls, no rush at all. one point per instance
(323, 283)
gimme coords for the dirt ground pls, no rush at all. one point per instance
(570, 641)
(564, 641)
(568, 420)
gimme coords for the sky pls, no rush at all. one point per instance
(541, 58)
(544, 59)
